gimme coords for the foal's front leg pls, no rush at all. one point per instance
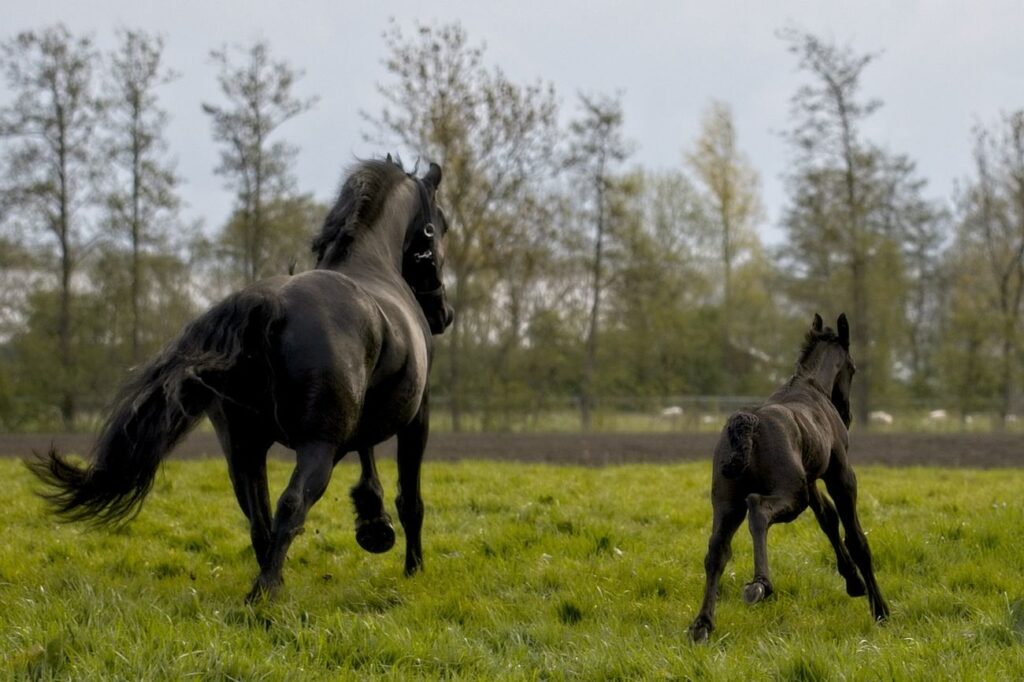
(374, 531)
(313, 466)
(842, 486)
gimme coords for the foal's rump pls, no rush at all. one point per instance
(763, 443)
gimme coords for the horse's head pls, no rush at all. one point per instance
(423, 253)
(832, 365)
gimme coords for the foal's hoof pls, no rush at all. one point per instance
(855, 587)
(700, 630)
(376, 535)
(263, 589)
(755, 591)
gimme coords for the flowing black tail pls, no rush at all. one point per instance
(157, 407)
(740, 430)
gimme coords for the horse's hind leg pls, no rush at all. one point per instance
(728, 515)
(374, 531)
(842, 486)
(825, 512)
(412, 441)
(313, 465)
(246, 448)
(762, 512)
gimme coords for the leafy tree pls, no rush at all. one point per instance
(259, 93)
(596, 148)
(49, 167)
(850, 209)
(731, 188)
(286, 247)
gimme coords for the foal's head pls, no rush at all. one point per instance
(825, 357)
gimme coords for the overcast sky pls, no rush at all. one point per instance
(944, 67)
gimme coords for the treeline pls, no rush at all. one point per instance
(580, 279)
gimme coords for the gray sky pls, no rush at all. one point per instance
(945, 66)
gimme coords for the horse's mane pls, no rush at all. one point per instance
(359, 204)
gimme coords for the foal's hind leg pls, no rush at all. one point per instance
(762, 512)
(842, 486)
(374, 531)
(825, 512)
(728, 515)
(412, 440)
(313, 466)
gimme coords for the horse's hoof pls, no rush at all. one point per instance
(880, 612)
(376, 535)
(855, 587)
(754, 592)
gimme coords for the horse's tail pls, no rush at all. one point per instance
(740, 431)
(158, 406)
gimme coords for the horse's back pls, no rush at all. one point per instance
(345, 347)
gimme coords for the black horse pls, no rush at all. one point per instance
(766, 465)
(324, 362)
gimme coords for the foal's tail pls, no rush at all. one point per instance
(740, 431)
(158, 406)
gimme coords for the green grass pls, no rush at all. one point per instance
(532, 572)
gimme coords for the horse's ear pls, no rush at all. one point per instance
(843, 327)
(433, 177)
(817, 324)
(389, 159)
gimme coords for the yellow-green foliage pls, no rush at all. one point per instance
(532, 572)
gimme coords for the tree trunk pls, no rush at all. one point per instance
(136, 284)
(67, 397)
(455, 368)
(590, 355)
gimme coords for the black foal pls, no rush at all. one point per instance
(766, 465)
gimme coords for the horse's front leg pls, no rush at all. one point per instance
(412, 441)
(374, 531)
(314, 463)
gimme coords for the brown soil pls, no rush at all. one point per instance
(945, 450)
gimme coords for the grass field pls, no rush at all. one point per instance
(532, 572)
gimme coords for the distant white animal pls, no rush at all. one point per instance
(708, 419)
(881, 417)
(674, 411)
(937, 415)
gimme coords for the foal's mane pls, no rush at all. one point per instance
(360, 203)
(811, 341)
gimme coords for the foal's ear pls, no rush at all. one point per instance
(433, 177)
(843, 327)
(817, 324)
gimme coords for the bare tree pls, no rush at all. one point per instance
(260, 100)
(144, 196)
(494, 139)
(596, 148)
(49, 163)
(992, 225)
